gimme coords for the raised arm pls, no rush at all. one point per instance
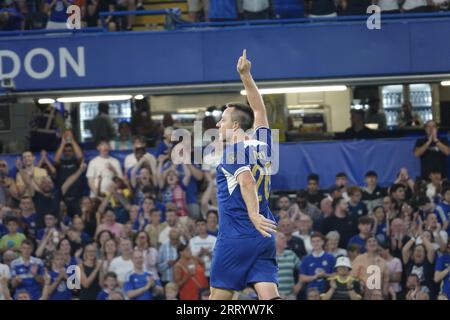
(71, 180)
(253, 96)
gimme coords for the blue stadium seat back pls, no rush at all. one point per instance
(288, 9)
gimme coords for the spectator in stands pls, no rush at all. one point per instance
(395, 270)
(56, 11)
(372, 194)
(109, 223)
(202, 245)
(440, 236)
(10, 18)
(102, 169)
(256, 10)
(122, 264)
(128, 5)
(8, 188)
(356, 207)
(407, 117)
(398, 191)
(94, 7)
(149, 254)
(317, 266)
(440, 5)
(165, 145)
(171, 222)
(432, 150)
(293, 243)
(101, 126)
(168, 255)
(27, 272)
(28, 217)
(68, 160)
(434, 187)
(140, 157)
(363, 266)
(57, 289)
(26, 168)
(139, 283)
(342, 286)
(123, 140)
(442, 272)
(13, 239)
(355, 7)
(365, 226)
(284, 208)
(418, 256)
(304, 231)
(322, 8)
(374, 116)
(188, 274)
(398, 237)
(155, 227)
(415, 6)
(443, 209)
(341, 222)
(358, 130)
(380, 227)
(90, 276)
(331, 245)
(342, 184)
(307, 208)
(110, 284)
(288, 263)
(198, 9)
(313, 192)
(388, 6)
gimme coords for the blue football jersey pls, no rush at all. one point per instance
(249, 155)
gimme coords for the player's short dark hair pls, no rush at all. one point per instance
(242, 114)
(313, 176)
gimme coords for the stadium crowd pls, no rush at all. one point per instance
(51, 14)
(146, 228)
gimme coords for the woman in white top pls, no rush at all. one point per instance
(331, 245)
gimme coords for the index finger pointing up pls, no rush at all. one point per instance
(244, 53)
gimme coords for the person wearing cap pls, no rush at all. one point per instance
(363, 268)
(342, 286)
(374, 116)
(372, 194)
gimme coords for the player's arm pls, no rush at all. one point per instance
(253, 96)
(249, 193)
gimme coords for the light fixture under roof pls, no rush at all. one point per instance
(445, 83)
(46, 100)
(139, 97)
(95, 98)
(305, 89)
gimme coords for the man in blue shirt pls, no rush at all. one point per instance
(57, 288)
(140, 284)
(244, 254)
(443, 210)
(27, 272)
(442, 272)
(317, 266)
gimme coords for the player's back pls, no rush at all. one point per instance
(249, 155)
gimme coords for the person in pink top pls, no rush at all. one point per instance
(109, 223)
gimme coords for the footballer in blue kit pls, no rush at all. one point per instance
(244, 254)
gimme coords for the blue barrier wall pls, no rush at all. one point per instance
(297, 160)
(314, 50)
